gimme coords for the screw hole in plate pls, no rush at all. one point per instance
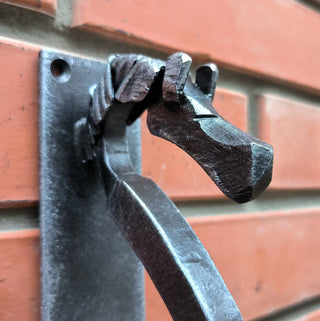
(60, 69)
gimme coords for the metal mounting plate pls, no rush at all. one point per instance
(89, 272)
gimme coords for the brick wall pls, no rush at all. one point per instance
(268, 251)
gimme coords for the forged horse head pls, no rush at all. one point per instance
(239, 164)
(181, 112)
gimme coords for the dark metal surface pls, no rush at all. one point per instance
(180, 112)
(89, 272)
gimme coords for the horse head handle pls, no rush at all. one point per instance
(182, 113)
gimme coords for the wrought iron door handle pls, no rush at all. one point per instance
(180, 112)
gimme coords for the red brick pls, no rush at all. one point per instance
(175, 171)
(277, 39)
(45, 6)
(19, 276)
(314, 316)
(264, 270)
(268, 260)
(19, 164)
(294, 131)
(18, 123)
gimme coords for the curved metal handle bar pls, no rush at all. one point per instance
(180, 112)
(178, 264)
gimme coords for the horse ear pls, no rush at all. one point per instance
(206, 79)
(175, 76)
